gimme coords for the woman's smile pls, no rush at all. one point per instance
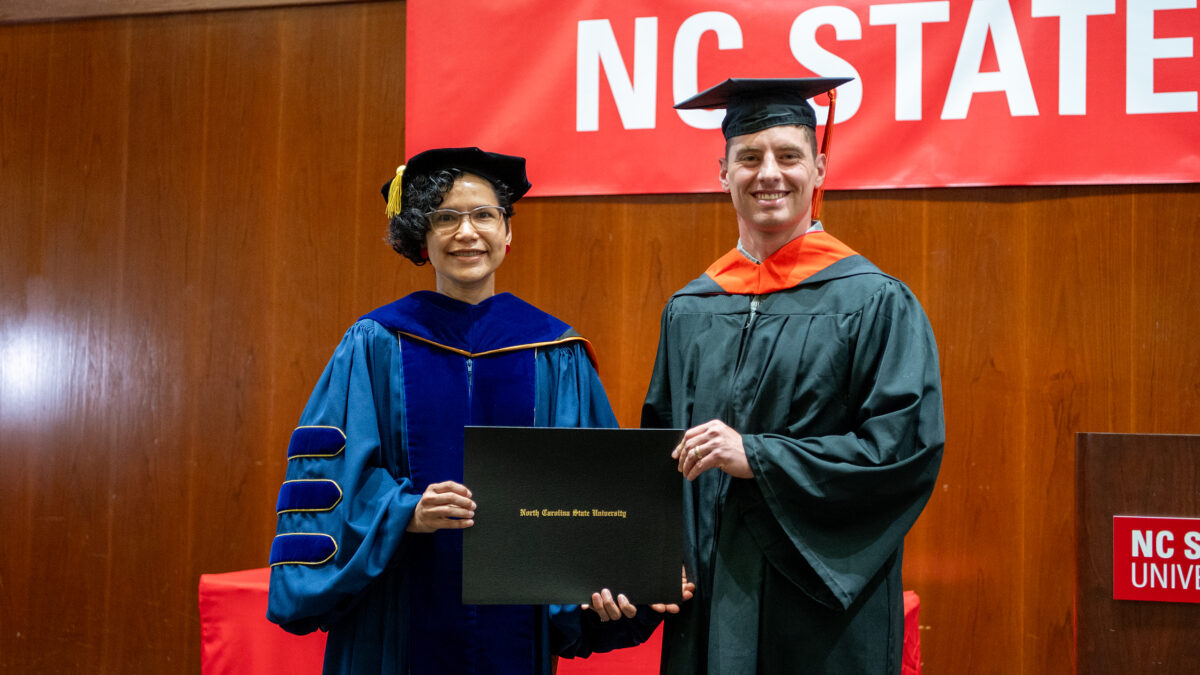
(465, 258)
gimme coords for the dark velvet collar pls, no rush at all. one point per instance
(500, 322)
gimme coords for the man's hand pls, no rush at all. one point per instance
(712, 445)
(443, 506)
(671, 607)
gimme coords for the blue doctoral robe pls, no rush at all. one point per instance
(385, 421)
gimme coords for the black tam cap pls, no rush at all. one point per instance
(508, 169)
(754, 104)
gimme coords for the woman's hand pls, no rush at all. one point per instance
(443, 506)
(609, 609)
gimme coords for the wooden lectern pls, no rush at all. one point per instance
(1131, 475)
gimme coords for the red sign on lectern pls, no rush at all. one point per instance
(1156, 559)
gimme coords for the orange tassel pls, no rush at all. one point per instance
(819, 193)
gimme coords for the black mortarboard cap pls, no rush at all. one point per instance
(754, 104)
(508, 169)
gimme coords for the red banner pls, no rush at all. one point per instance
(1156, 559)
(986, 92)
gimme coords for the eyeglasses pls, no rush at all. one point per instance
(483, 219)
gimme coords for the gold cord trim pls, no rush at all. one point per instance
(502, 350)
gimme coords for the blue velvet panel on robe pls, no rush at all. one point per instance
(308, 495)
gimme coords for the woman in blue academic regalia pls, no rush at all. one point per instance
(369, 536)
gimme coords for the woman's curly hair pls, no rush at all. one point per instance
(424, 193)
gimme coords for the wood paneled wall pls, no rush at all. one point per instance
(14, 11)
(190, 218)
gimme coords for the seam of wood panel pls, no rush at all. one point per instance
(190, 510)
(1134, 280)
(356, 275)
(121, 268)
(1023, 351)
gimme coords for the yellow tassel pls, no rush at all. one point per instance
(394, 194)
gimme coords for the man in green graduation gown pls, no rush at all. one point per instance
(808, 382)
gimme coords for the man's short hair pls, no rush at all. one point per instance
(808, 132)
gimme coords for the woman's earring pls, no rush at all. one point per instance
(424, 253)
(506, 248)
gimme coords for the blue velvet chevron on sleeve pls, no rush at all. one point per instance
(339, 496)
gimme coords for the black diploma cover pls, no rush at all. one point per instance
(562, 513)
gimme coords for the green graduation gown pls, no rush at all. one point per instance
(828, 369)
